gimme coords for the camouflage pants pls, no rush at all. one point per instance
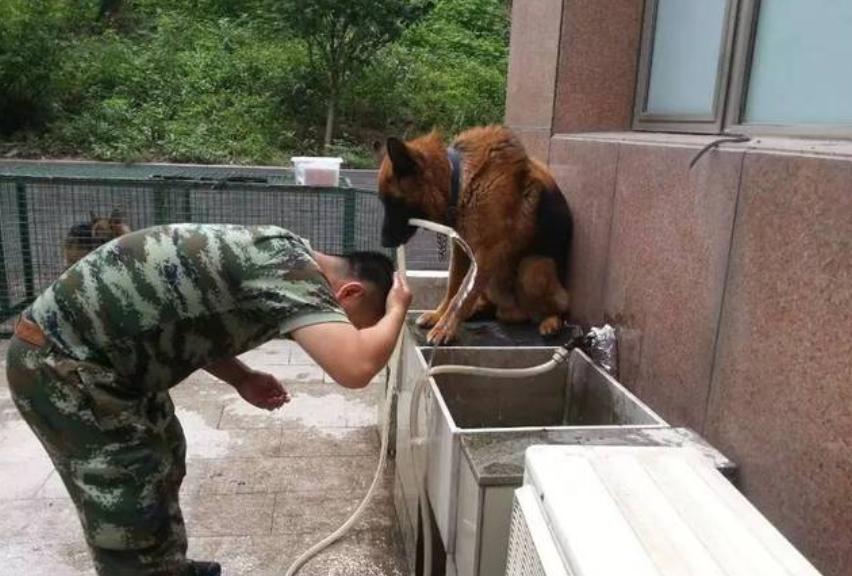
(120, 455)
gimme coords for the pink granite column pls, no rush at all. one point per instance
(533, 56)
(598, 55)
(585, 171)
(781, 402)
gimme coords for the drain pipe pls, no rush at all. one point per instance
(416, 441)
(560, 356)
(337, 534)
(383, 450)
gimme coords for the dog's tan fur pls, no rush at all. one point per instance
(497, 217)
(85, 237)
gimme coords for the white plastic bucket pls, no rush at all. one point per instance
(317, 170)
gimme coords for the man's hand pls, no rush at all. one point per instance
(262, 390)
(257, 388)
(351, 356)
(399, 297)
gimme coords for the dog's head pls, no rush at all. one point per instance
(105, 229)
(118, 223)
(408, 179)
(101, 229)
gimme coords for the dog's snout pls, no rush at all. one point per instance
(395, 236)
(395, 228)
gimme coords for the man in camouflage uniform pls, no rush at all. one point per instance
(95, 355)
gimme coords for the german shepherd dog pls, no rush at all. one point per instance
(86, 236)
(504, 204)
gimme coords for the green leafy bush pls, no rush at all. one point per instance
(223, 81)
(29, 55)
(449, 72)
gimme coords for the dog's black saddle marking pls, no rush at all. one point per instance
(554, 229)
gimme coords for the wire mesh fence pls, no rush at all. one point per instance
(37, 213)
(144, 171)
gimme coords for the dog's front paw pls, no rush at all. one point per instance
(550, 326)
(428, 319)
(441, 334)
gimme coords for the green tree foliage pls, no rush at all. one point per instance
(448, 72)
(342, 36)
(33, 34)
(232, 80)
(190, 91)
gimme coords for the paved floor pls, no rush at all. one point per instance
(260, 488)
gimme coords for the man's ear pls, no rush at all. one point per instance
(401, 157)
(350, 291)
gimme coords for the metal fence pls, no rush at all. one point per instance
(37, 212)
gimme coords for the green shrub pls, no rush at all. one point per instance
(186, 91)
(221, 81)
(29, 56)
(448, 72)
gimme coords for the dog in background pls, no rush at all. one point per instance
(504, 204)
(86, 236)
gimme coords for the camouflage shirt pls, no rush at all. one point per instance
(158, 304)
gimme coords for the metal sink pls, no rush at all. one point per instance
(574, 394)
(477, 429)
(577, 395)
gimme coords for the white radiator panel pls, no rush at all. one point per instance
(532, 551)
(640, 511)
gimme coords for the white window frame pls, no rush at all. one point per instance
(700, 123)
(729, 101)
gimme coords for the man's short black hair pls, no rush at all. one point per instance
(374, 268)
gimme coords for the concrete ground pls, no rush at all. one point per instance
(260, 488)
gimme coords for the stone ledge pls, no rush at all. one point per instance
(841, 149)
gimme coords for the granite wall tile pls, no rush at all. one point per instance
(598, 55)
(585, 172)
(671, 233)
(781, 403)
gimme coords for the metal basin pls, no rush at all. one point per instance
(577, 395)
(477, 429)
(574, 394)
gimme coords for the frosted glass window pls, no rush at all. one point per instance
(802, 66)
(685, 61)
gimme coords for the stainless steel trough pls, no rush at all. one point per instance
(477, 428)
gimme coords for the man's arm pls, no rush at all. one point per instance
(257, 388)
(231, 370)
(353, 357)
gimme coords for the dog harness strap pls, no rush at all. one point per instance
(455, 159)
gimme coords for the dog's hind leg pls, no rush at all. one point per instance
(541, 293)
(459, 264)
(483, 307)
(511, 314)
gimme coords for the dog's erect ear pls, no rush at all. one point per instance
(93, 217)
(401, 158)
(378, 151)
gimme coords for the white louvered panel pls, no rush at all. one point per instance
(619, 511)
(532, 551)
